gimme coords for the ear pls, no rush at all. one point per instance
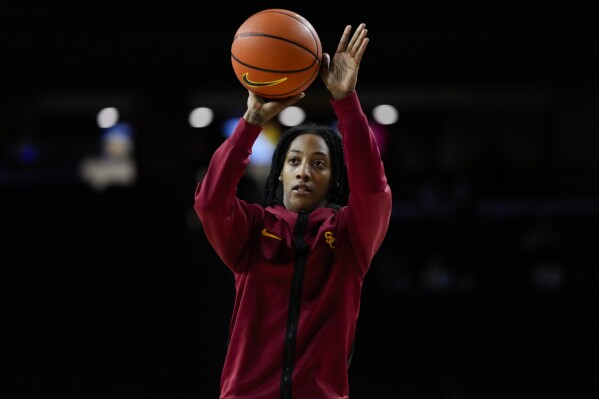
(281, 178)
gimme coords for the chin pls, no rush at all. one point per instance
(306, 208)
(299, 208)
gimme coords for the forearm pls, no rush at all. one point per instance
(224, 217)
(218, 186)
(362, 155)
(369, 207)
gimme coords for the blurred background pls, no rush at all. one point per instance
(485, 287)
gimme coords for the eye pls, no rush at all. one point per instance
(320, 164)
(293, 160)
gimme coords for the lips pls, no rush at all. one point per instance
(301, 188)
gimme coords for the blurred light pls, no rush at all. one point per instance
(28, 154)
(201, 117)
(436, 275)
(262, 150)
(385, 114)
(292, 116)
(107, 117)
(118, 131)
(263, 146)
(229, 126)
(115, 165)
(546, 276)
(272, 132)
(117, 141)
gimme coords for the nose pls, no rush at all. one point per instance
(303, 171)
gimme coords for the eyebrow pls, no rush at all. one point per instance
(314, 153)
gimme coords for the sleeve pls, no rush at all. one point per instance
(228, 220)
(370, 202)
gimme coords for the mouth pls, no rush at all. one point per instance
(301, 188)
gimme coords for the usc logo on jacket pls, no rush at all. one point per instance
(328, 237)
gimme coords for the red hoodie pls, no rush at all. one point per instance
(298, 276)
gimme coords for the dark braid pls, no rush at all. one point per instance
(339, 191)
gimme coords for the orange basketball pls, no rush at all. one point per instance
(276, 53)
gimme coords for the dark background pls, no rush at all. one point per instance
(487, 283)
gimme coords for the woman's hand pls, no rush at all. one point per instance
(260, 111)
(340, 74)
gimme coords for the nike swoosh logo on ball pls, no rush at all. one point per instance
(248, 82)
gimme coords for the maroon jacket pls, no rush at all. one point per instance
(298, 276)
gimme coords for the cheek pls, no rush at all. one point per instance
(286, 174)
(326, 183)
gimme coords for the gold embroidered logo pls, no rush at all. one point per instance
(267, 234)
(251, 83)
(328, 236)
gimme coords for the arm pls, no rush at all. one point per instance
(226, 219)
(369, 207)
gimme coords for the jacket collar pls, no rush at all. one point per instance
(316, 216)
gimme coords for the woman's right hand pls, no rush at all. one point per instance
(260, 110)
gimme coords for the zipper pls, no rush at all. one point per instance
(301, 256)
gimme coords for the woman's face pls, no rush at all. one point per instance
(306, 173)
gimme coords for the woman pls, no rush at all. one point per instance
(299, 258)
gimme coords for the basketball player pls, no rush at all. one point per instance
(299, 258)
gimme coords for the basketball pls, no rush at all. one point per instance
(276, 53)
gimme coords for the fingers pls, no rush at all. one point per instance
(292, 100)
(360, 51)
(356, 39)
(343, 42)
(255, 97)
(357, 44)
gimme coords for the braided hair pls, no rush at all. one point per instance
(339, 191)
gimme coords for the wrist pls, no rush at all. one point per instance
(338, 95)
(254, 118)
